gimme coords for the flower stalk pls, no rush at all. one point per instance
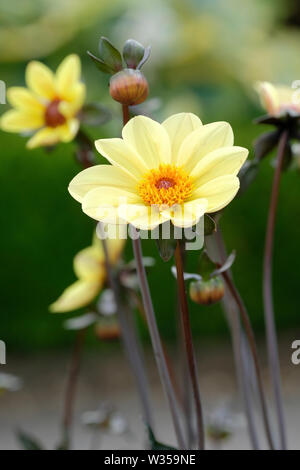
(216, 248)
(187, 336)
(156, 342)
(131, 344)
(267, 291)
(250, 336)
(153, 329)
(70, 392)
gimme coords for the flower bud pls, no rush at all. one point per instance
(133, 53)
(207, 292)
(108, 332)
(129, 87)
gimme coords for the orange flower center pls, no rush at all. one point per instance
(53, 116)
(166, 185)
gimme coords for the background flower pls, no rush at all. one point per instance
(278, 99)
(89, 267)
(50, 104)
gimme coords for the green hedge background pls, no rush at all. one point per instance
(42, 227)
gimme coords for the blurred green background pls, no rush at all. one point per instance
(206, 54)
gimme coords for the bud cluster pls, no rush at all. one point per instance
(207, 292)
(208, 286)
(127, 84)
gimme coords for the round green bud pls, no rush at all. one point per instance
(206, 292)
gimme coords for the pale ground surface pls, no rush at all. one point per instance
(37, 407)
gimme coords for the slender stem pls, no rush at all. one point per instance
(215, 246)
(252, 344)
(248, 383)
(71, 387)
(126, 115)
(153, 329)
(136, 359)
(178, 393)
(156, 341)
(267, 291)
(84, 154)
(185, 319)
(129, 334)
(186, 385)
(131, 343)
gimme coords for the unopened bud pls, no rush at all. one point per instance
(129, 87)
(108, 332)
(207, 292)
(133, 52)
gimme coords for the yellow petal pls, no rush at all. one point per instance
(115, 248)
(100, 175)
(40, 79)
(70, 108)
(79, 294)
(77, 95)
(120, 154)
(105, 203)
(21, 121)
(67, 131)
(218, 192)
(88, 264)
(220, 162)
(67, 75)
(189, 213)
(141, 216)
(44, 137)
(268, 97)
(178, 127)
(24, 99)
(149, 139)
(203, 141)
(285, 96)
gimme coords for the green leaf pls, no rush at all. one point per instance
(156, 445)
(100, 64)
(28, 442)
(110, 55)
(63, 444)
(133, 53)
(166, 242)
(81, 322)
(247, 175)
(226, 265)
(210, 225)
(166, 248)
(265, 143)
(145, 57)
(206, 266)
(267, 119)
(94, 114)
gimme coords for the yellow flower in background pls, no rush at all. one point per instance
(278, 99)
(177, 171)
(89, 267)
(49, 106)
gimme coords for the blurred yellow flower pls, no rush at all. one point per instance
(49, 106)
(177, 171)
(278, 99)
(89, 267)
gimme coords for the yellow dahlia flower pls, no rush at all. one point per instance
(177, 171)
(89, 267)
(49, 106)
(278, 99)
